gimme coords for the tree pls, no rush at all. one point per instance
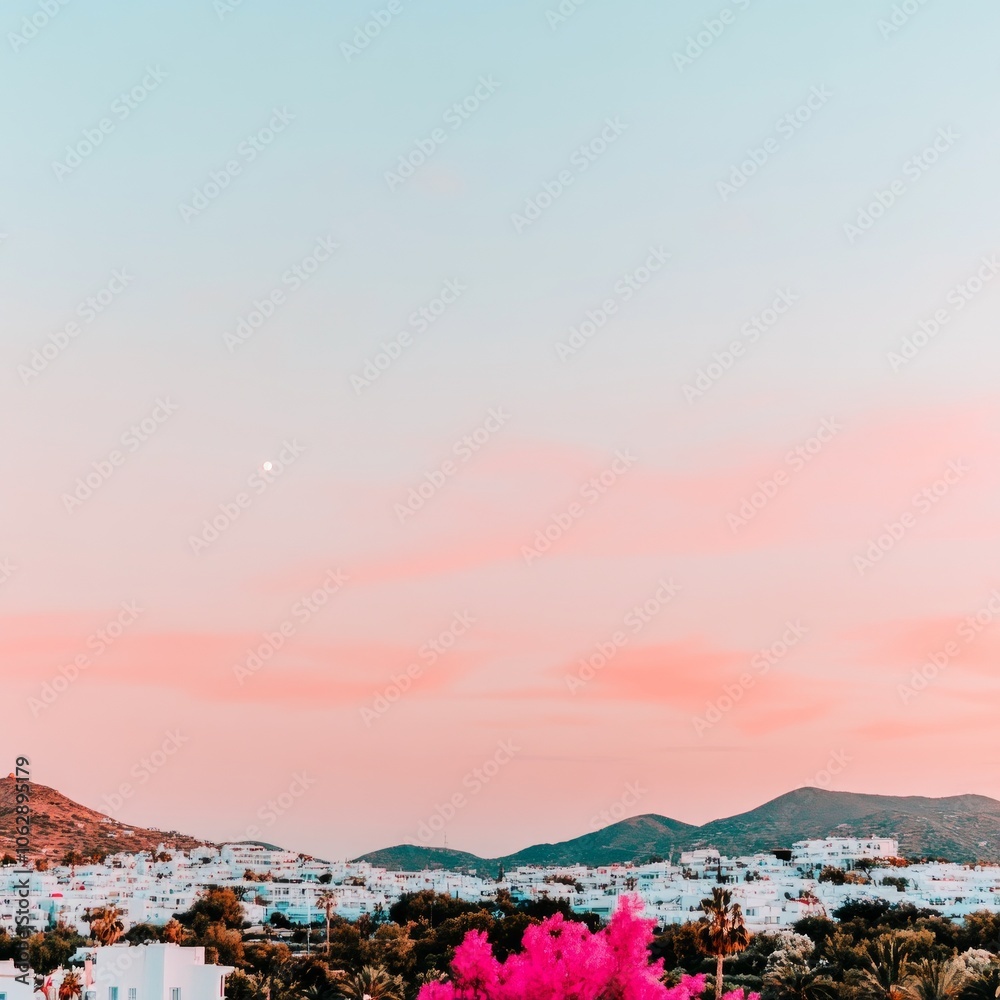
(173, 932)
(938, 979)
(222, 945)
(889, 973)
(106, 926)
(212, 906)
(373, 983)
(678, 947)
(142, 933)
(831, 873)
(327, 902)
(796, 981)
(70, 986)
(722, 931)
(562, 960)
(46, 952)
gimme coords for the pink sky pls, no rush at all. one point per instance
(312, 706)
(753, 505)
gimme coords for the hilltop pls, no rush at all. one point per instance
(59, 824)
(964, 828)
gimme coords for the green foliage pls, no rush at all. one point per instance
(46, 952)
(832, 874)
(213, 906)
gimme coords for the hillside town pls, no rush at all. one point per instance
(775, 890)
(250, 922)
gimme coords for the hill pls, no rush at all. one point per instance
(631, 839)
(962, 828)
(59, 824)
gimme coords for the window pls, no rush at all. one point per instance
(112, 993)
(132, 993)
(175, 993)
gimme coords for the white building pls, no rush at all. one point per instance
(837, 850)
(149, 972)
(10, 988)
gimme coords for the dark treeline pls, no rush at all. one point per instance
(871, 951)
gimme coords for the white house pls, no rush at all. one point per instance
(150, 972)
(837, 850)
(10, 988)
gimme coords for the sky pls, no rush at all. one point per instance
(465, 424)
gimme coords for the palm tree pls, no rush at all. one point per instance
(889, 972)
(985, 985)
(107, 926)
(313, 992)
(937, 979)
(70, 986)
(373, 982)
(796, 981)
(722, 931)
(327, 902)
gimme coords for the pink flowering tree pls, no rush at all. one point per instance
(563, 960)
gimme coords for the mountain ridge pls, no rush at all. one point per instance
(963, 828)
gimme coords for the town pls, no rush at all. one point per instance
(777, 889)
(285, 900)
